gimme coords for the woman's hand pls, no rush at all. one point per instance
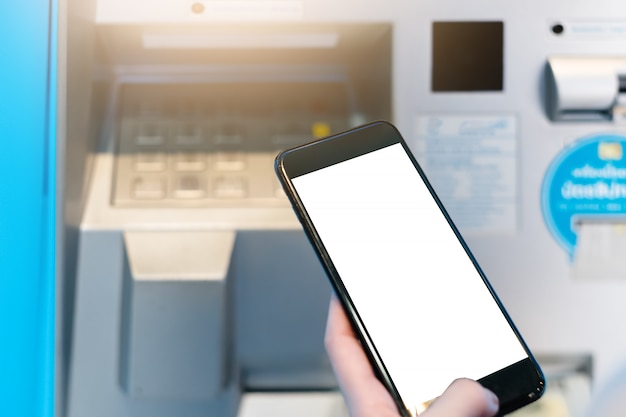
(366, 396)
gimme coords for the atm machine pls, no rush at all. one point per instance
(193, 283)
(189, 288)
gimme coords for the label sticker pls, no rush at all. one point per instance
(585, 182)
(471, 162)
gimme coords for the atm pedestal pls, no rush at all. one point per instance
(151, 344)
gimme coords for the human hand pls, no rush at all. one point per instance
(366, 396)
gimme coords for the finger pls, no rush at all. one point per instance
(344, 349)
(464, 398)
(364, 393)
(337, 323)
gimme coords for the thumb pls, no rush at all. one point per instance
(464, 398)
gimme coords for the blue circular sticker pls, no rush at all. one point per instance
(586, 181)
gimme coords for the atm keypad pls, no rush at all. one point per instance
(178, 165)
(213, 144)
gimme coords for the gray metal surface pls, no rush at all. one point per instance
(96, 387)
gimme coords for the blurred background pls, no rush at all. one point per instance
(150, 265)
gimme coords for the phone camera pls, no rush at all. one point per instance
(558, 29)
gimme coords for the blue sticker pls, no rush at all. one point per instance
(586, 180)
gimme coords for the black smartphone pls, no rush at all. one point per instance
(415, 295)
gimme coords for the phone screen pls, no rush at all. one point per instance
(419, 296)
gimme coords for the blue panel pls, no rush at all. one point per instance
(27, 207)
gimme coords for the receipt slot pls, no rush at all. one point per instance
(586, 88)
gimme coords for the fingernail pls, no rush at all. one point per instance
(493, 404)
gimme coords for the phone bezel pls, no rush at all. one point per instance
(334, 149)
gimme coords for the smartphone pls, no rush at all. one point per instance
(416, 297)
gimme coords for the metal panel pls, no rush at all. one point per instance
(27, 212)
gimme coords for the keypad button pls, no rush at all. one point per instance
(229, 134)
(190, 161)
(150, 162)
(189, 186)
(150, 135)
(230, 161)
(189, 135)
(230, 187)
(148, 187)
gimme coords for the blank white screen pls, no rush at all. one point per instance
(422, 301)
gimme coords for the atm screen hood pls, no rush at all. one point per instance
(585, 88)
